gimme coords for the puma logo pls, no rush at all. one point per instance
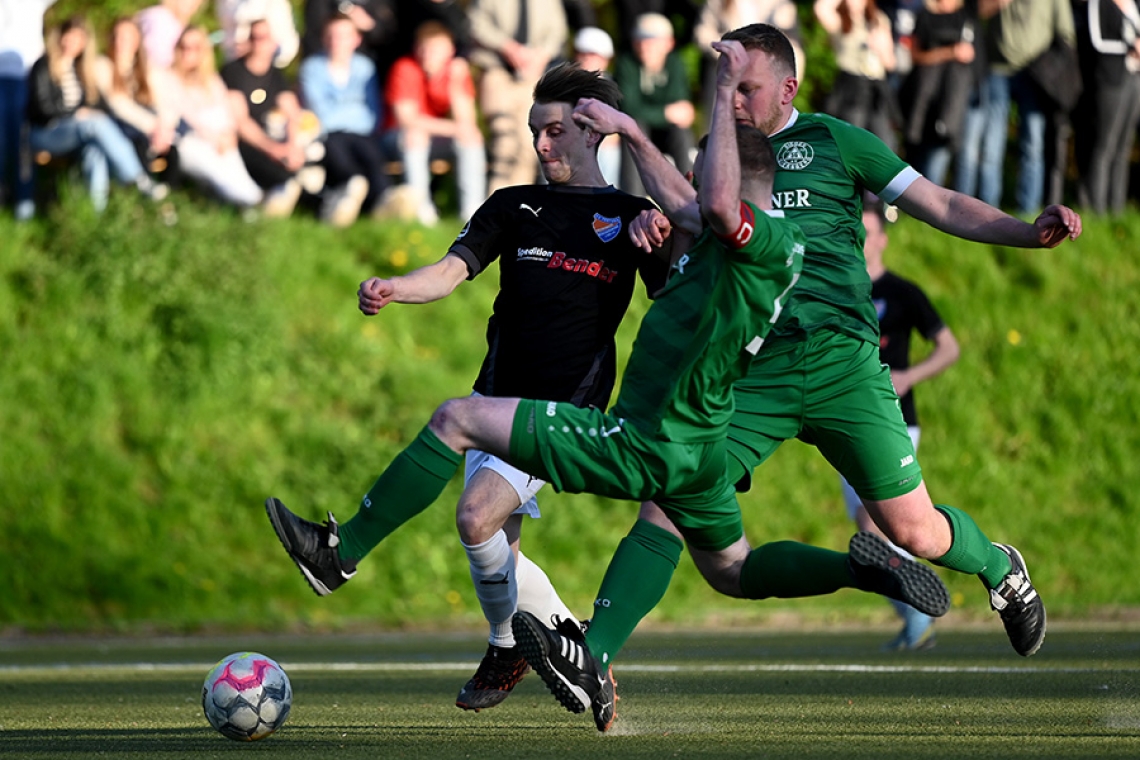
(531, 210)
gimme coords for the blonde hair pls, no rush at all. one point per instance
(137, 83)
(206, 70)
(84, 63)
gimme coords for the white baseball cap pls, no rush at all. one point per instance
(591, 39)
(651, 26)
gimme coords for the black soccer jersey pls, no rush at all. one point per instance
(902, 307)
(566, 275)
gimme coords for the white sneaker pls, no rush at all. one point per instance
(156, 191)
(312, 179)
(280, 201)
(342, 204)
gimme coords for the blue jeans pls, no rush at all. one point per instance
(985, 131)
(15, 157)
(103, 149)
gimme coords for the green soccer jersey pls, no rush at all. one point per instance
(824, 166)
(699, 336)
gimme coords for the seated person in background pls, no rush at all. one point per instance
(269, 120)
(375, 20)
(431, 101)
(655, 90)
(208, 146)
(162, 26)
(237, 18)
(593, 51)
(64, 119)
(131, 93)
(341, 87)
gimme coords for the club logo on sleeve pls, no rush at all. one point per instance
(607, 227)
(795, 154)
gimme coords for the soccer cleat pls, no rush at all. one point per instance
(575, 677)
(878, 567)
(500, 671)
(312, 547)
(1021, 609)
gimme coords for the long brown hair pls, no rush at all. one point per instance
(206, 69)
(136, 82)
(84, 63)
(847, 22)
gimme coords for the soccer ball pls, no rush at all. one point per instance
(247, 696)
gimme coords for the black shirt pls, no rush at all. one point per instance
(260, 90)
(902, 307)
(566, 274)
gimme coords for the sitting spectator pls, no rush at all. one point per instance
(865, 54)
(208, 147)
(341, 87)
(937, 90)
(131, 93)
(513, 41)
(593, 51)
(431, 101)
(64, 119)
(655, 91)
(269, 121)
(162, 26)
(21, 45)
(375, 20)
(237, 18)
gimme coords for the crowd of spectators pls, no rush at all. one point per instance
(366, 104)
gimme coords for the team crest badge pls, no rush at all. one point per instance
(607, 227)
(795, 155)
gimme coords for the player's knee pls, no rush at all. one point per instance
(474, 527)
(449, 422)
(914, 538)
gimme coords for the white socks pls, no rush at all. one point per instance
(502, 588)
(496, 585)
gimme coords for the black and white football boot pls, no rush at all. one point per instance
(572, 674)
(878, 567)
(312, 547)
(1021, 609)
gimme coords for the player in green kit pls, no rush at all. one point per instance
(818, 377)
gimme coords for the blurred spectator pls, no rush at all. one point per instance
(21, 45)
(375, 20)
(132, 94)
(162, 26)
(682, 12)
(721, 16)
(272, 140)
(431, 101)
(593, 51)
(64, 118)
(1018, 33)
(864, 48)
(208, 146)
(1108, 46)
(411, 14)
(341, 87)
(655, 91)
(237, 16)
(514, 40)
(937, 90)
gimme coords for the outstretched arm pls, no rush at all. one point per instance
(969, 218)
(662, 181)
(423, 285)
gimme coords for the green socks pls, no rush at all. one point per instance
(637, 578)
(414, 479)
(789, 569)
(970, 551)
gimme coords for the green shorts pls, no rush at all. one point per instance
(588, 451)
(833, 392)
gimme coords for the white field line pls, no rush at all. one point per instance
(428, 667)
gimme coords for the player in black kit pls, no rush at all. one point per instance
(566, 275)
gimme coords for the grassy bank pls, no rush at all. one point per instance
(159, 382)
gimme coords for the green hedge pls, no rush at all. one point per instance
(159, 382)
